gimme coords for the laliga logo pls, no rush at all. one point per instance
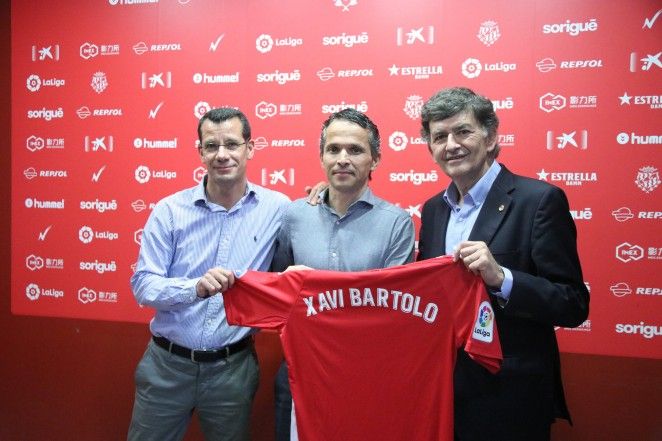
(32, 291)
(85, 234)
(485, 316)
(86, 295)
(33, 83)
(201, 108)
(397, 141)
(142, 174)
(34, 262)
(264, 43)
(471, 68)
(484, 326)
(264, 110)
(199, 173)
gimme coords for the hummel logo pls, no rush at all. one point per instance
(96, 175)
(649, 22)
(214, 44)
(154, 111)
(42, 235)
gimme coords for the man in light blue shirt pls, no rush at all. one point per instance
(350, 229)
(191, 243)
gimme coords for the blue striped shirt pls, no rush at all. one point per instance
(185, 236)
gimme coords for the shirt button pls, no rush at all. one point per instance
(333, 254)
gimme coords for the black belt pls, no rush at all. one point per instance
(203, 356)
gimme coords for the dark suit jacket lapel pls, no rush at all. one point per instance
(495, 207)
(440, 222)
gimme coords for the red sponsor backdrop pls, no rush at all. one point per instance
(106, 97)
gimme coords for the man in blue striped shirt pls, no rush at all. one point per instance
(191, 243)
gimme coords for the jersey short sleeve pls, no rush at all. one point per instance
(262, 300)
(476, 330)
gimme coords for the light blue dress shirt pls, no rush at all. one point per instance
(185, 236)
(372, 234)
(463, 217)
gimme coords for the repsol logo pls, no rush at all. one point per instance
(349, 73)
(107, 112)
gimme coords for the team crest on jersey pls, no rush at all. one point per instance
(484, 326)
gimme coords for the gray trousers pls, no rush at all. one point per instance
(169, 387)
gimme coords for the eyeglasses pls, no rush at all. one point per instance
(212, 148)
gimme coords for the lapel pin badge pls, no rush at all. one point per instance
(501, 207)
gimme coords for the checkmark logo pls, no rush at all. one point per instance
(154, 111)
(214, 44)
(42, 234)
(649, 22)
(97, 175)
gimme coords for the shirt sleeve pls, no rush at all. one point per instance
(401, 248)
(476, 326)
(150, 283)
(263, 300)
(283, 256)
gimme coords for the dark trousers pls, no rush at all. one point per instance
(283, 403)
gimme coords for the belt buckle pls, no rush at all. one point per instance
(193, 356)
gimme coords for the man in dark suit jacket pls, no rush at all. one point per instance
(518, 235)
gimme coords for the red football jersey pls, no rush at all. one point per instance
(371, 353)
